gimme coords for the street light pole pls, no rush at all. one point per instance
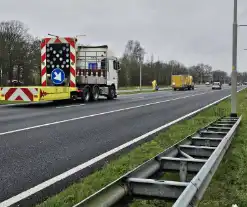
(140, 74)
(141, 60)
(234, 63)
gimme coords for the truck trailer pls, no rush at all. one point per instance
(182, 82)
(70, 71)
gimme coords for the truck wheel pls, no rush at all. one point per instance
(111, 93)
(86, 94)
(95, 93)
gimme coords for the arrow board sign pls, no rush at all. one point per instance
(57, 76)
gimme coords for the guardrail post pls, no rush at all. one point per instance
(183, 171)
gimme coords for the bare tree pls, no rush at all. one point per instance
(12, 35)
(219, 76)
(19, 52)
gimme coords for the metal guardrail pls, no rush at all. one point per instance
(198, 154)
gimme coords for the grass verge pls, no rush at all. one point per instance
(220, 193)
(144, 91)
(11, 102)
(5, 102)
(137, 87)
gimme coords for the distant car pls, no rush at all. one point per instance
(216, 85)
(207, 84)
(245, 83)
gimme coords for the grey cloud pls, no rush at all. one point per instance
(190, 31)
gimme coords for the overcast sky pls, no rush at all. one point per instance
(190, 31)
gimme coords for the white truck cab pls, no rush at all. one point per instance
(97, 66)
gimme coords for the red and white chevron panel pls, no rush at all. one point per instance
(71, 42)
(19, 94)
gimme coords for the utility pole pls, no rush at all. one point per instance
(234, 62)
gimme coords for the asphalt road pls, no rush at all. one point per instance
(33, 148)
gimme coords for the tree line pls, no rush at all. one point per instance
(163, 70)
(20, 62)
(19, 54)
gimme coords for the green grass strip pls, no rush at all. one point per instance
(11, 102)
(228, 186)
(143, 87)
(141, 92)
(5, 102)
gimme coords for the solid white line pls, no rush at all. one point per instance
(60, 107)
(139, 98)
(80, 167)
(98, 114)
(136, 94)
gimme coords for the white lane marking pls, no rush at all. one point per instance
(171, 93)
(135, 94)
(154, 93)
(140, 97)
(84, 165)
(98, 114)
(148, 97)
(60, 107)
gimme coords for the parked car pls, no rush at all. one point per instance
(216, 85)
(207, 84)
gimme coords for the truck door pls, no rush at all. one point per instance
(112, 73)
